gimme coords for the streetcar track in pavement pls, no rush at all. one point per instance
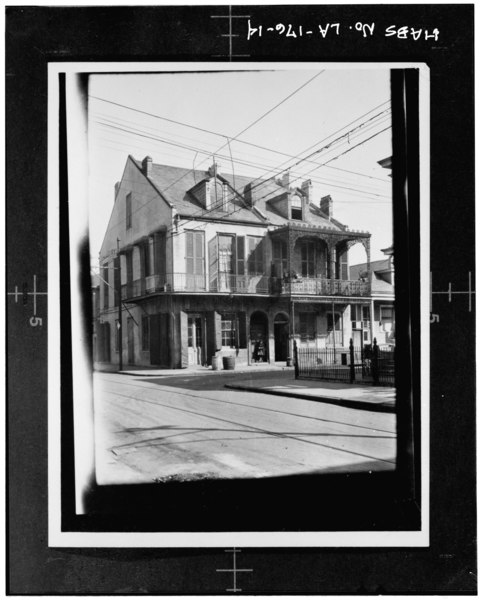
(283, 412)
(249, 427)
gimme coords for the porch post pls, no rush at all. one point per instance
(372, 317)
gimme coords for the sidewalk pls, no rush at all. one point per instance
(363, 397)
(192, 370)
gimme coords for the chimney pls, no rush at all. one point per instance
(248, 196)
(147, 165)
(286, 179)
(116, 189)
(213, 169)
(326, 205)
(307, 189)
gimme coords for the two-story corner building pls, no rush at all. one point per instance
(378, 319)
(210, 264)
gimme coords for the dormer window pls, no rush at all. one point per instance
(218, 194)
(296, 208)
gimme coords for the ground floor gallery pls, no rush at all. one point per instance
(181, 331)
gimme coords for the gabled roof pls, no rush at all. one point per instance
(174, 184)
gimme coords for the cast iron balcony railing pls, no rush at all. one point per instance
(240, 284)
(243, 284)
(317, 286)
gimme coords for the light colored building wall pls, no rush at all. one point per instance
(149, 211)
(211, 230)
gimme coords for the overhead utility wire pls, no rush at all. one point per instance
(257, 184)
(187, 220)
(258, 165)
(272, 109)
(327, 146)
(263, 182)
(224, 135)
(115, 124)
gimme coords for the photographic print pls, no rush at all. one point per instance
(241, 319)
(240, 300)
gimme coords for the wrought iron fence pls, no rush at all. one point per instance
(370, 364)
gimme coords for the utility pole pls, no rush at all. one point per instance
(120, 312)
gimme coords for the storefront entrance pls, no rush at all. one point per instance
(258, 337)
(195, 340)
(281, 336)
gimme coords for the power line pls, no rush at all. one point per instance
(272, 109)
(110, 118)
(247, 163)
(134, 131)
(264, 182)
(161, 192)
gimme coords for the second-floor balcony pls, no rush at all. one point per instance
(318, 286)
(243, 284)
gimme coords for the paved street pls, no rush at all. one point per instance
(190, 427)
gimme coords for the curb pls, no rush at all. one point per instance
(361, 405)
(209, 371)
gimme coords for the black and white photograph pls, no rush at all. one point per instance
(241, 324)
(241, 300)
(232, 221)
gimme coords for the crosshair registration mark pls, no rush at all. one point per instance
(234, 570)
(34, 320)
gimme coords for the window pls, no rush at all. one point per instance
(145, 333)
(105, 283)
(116, 335)
(308, 259)
(386, 318)
(307, 326)
(337, 321)
(225, 253)
(148, 257)
(195, 252)
(296, 208)
(128, 211)
(228, 330)
(117, 281)
(279, 255)
(360, 312)
(255, 257)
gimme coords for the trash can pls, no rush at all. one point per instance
(229, 363)
(216, 363)
(344, 358)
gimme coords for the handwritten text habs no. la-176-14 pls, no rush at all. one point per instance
(333, 30)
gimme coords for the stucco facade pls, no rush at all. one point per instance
(201, 265)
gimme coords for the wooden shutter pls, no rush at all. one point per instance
(242, 321)
(189, 252)
(213, 263)
(184, 339)
(218, 330)
(199, 252)
(158, 256)
(117, 281)
(240, 268)
(344, 265)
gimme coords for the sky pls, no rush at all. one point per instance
(327, 124)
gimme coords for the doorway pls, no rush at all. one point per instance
(258, 337)
(195, 340)
(281, 337)
(130, 341)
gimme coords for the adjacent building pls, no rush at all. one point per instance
(208, 264)
(376, 321)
